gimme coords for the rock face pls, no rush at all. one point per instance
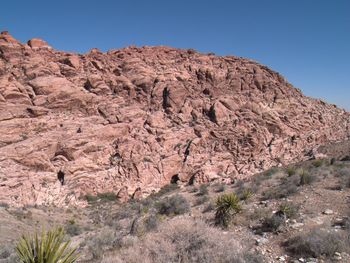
(135, 119)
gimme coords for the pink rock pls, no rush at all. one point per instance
(143, 117)
(36, 43)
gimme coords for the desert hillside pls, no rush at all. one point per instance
(132, 120)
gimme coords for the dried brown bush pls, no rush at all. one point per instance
(185, 240)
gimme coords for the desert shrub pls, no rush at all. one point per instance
(259, 213)
(306, 178)
(272, 223)
(22, 213)
(291, 171)
(317, 163)
(137, 227)
(131, 209)
(317, 242)
(343, 172)
(220, 188)
(227, 205)
(49, 248)
(167, 189)
(283, 190)
(141, 225)
(288, 209)
(107, 196)
(271, 171)
(5, 252)
(151, 222)
(193, 189)
(101, 242)
(240, 183)
(201, 200)
(173, 205)
(72, 228)
(209, 207)
(203, 190)
(91, 198)
(246, 194)
(344, 182)
(187, 241)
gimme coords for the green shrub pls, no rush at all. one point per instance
(107, 196)
(173, 205)
(271, 171)
(91, 198)
(291, 171)
(317, 163)
(103, 197)
(306, 178)
(288, 209)
(151, 222)
(227, 205)
(49, 248)
(246, 194)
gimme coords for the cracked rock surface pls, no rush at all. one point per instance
(134, 119)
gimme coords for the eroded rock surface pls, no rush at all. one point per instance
(135, 119)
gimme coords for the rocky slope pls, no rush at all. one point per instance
(132, 120)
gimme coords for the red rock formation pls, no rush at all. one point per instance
(136, 118)
(38, 43)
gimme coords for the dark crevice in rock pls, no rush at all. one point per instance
(174, 179)
(187, 151)
(88, 86)
(60, 177)
(211, 114)
(166, 94)
(64, 154)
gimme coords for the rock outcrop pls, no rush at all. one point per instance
(131, 120)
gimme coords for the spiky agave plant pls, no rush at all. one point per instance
(49, 248)
(227, 205)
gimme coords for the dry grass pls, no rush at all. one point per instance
(184, 240)
(318, 242)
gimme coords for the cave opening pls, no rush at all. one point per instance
(60, 177)
(174, 179)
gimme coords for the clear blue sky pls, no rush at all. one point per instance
(307, 41)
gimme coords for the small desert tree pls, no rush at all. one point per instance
(227, 205)
(49, 248)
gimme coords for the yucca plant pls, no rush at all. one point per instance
(227, 205)
(49, 248)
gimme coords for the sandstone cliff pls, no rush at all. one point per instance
(134, 119)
